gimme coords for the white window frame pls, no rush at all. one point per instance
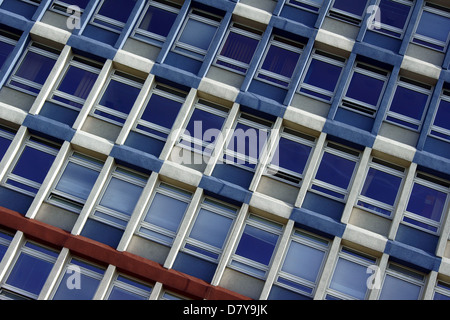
(403, 275)
(434, 130)
(280, 42)
(128, 287)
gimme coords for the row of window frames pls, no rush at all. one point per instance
(78, 281)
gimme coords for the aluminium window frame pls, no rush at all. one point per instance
(62, 6)
(33, 2)
(280, 42)
(385, 167)
(170, 191)
(313, 241)
(431, 7)
(414, 86)
(434, 130)
(9, 38)
(442, 288)
(346, 16)
(388, 30)
(306, 5)
(391, 271)
(118, 283)
(326, 57)
(114, 23)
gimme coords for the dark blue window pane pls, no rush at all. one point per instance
(5, 50)
(257, 245)
(158, 21)
(427, 202)
(119, 96)
(86, 291)
(77, 82)
(117, 9)
(323, 75)
(121, 196)
(393, 13)
(77, 180)
(29, 273)
(4, 144)
(81, 3)
(35, 68)
(198, 34)
(292, 155)
(365, 89)
(211, 228)
(351, 6)
(439, 296)
(281, 61)
(33, 164)
(247, 140)
(381, 186)
(434, 26)
(201, 121)
(443, 115)
(161, 111)
(335, 170)
(239, 47)
(166, 212)
(409, 103)
(122, 294)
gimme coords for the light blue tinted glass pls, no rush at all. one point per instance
(166, 212)
(365, 89)
(351, 6)
(350, 278)
(281, 61)
(381, 186)
(198, 34)
(335, 170)
(158, 21)
(409, 103)
(439, 296)
(35, 68)
(29, 273)
(393, 13)
(161, 111)
(77, 82)
(442, 115)
(68, 291)
(121, 196)
(323, 75)
(117, 9)
(33, 164)
(257, 244)
(119, 96)
(122, 294)
(396, 289)
(291, 155)
(5, 50)
(427, 202)
(201, 121)
(77, 180)
(239, 47)
(434, 26)
(211, 228)
(303, 261)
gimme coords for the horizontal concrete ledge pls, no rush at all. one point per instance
(218, 89)
(225, 189)
(252, 13)
(136, 158)
(92, 142)
(365, 238)
(130, 60)
(411, 255)
(445, 266)
(271, 205)
(304, 118)
(126, 262)
(181, 173)
(12, 114)
(317, 222)
(49, 127)
(420, 67)
(335, 40)
(46, 32)
(394, 148)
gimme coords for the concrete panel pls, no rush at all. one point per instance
(56, 216)
(278, 189)
(148, 249)
(370, 221)
(241, 283)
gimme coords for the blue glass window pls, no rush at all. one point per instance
(441, 291)
(394, 15)
(61, 6)
(348, 10)
(349, 280)
(31, 166)
(291, 156)
(8, 41)
(323, 73)
(433, 27)
(159, 223)
(113, 14)
(401, 284)
(336, 170)
(196, 35)
(118, 98)
(256, 246)
(6, 136)
(303, 263)
(204, 126)
(427, 203)
(279, 61)
(441, 125)
(33, 68)
(30, 270)
(310, 5)
(247, 141)
(158, 116)
(5, 240)
(381, 187)
(127, 289)
(365, 89)
(238, 48)
(79, 281)
(409, 103)
(76, 83)
(75, 182)
(156, 22)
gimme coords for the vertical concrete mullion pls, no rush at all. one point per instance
(327, 272)
(106, 281)
(58, 267)
(12, 151)
(14, 246)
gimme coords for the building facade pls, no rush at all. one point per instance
(310, 137)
